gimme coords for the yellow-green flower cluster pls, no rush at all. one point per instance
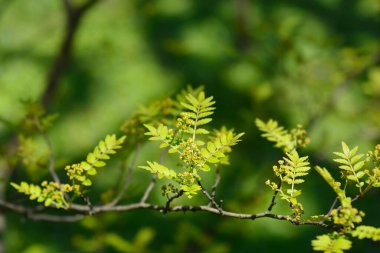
(299, 135)
(347, 215)
(185, 122)
(190, 155)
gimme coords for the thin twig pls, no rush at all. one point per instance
(51, 159)
(340, 207)
(73, 17)
(129, 176)
(51, 153)
(12, 207)
(154, 179)
(56, 218)
(332, 207)
(90, 206)
(167, 205)
(216, 183)
(211, 199)
(149, 189)
(352, 200)
(83, 209)
(273, 201)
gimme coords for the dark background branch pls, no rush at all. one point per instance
(74, 15)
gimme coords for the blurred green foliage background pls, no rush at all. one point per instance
(314, 63)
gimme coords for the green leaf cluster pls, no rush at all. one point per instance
(200, 108)
(332, 243)
(187, 140)
(158, 112)
(191, 190)
(363, 172)
(29, 155)
(347, 215)
(50, 193)
(79, 173)
(373, 174)
(165, 111)
(216, 149)
(351, 165)
(160, 170)
(290, 171)
(291, 168)
(36, 118)
(367, 232)
(284, 139)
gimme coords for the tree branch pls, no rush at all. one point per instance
(128, 178)
(83, 210)
(68, 7)
(176, 196)
(273, 201)
(216, 183)
(340, 207)
(87, 5)
(73, 17)
(211, 199)
(56, 218)
(47, 141)
(332, 207)
(154, 179)
(149, 189)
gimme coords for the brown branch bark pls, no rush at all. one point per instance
(74, 15)
(170, 200)
(273, 201)
(83, 210)
(149, 189)
(216, 183)
(210, 198)
(243, 38)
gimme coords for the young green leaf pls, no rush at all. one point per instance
(351, 164)
(160, 170)
(367, 232)
(329, 244)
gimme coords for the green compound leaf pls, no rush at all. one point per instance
(87, 182)
(200, 107)
(48, 192)
(329, 244)
(160, 170)
(190, 191)
(78, 173)
(289, 171)
(367, 232)
(284, 139)
(351, 164)
(161, 133)
(216, 149)
(195, 155)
